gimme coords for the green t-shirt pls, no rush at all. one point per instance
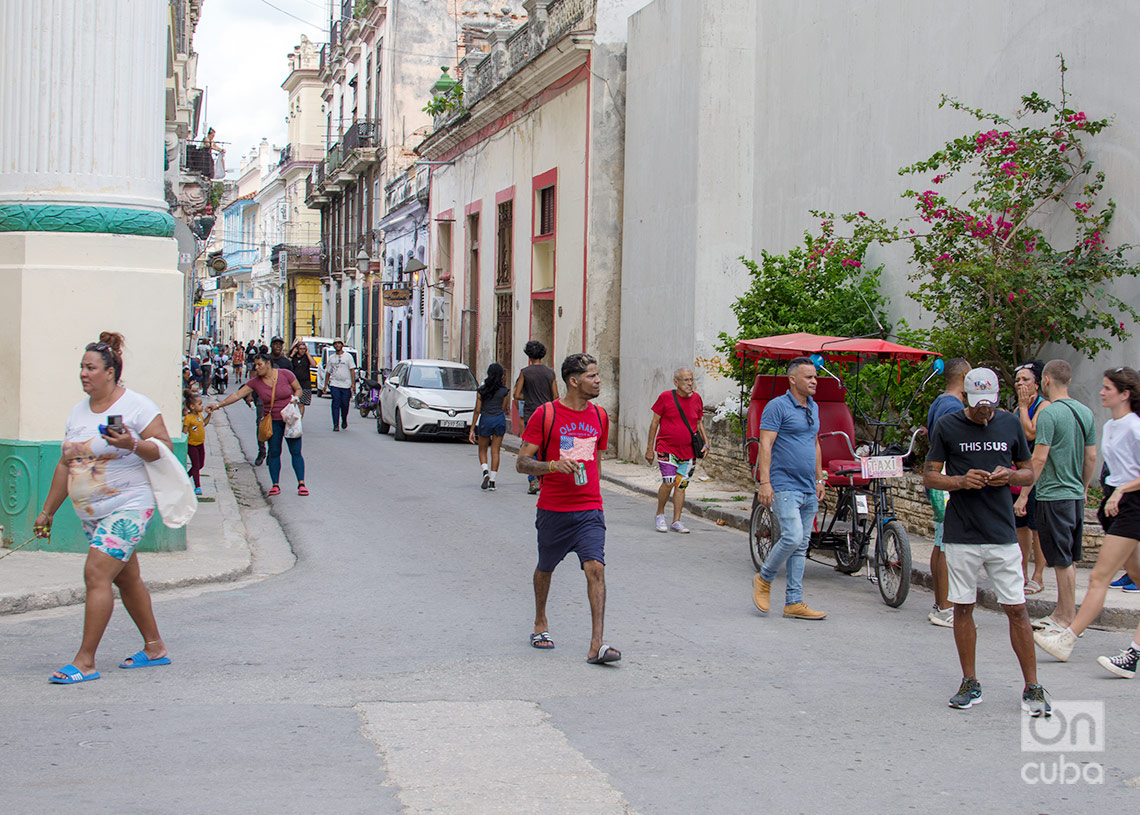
(1058, 428)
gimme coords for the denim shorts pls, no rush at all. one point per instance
(491, 426)
(560, 533)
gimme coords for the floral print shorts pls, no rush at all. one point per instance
(119, 533)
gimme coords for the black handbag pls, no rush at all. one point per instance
(698, 440)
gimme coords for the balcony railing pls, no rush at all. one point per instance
(361, 134)
(334, 36)
(334, 159)
(197, 159)
(287, 155)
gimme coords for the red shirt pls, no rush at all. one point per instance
(576, 435)
(672, 435)
(284, 391)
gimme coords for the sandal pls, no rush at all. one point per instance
(274, 490)
(302, 489)
(542, 641)
(1033, 587)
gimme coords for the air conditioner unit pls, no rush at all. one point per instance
(437, 308)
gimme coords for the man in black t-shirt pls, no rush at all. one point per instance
(970, 454)
(535, 386)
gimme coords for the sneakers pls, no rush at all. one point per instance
(344, 424)
(761, 593)
(1123, 664)
(969, 694)
(1057, 644)
(197, 490)
(801, 611)
(1130, 588)
(491, 486)
(1121, 581)
(1046, 624)
(486, 480)
(532, 487)
(260, 459)
(336, 429)
(662, 526)
(1034, 703)
(943, 617)
(677, 526)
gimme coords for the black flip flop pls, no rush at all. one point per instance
(605, 655)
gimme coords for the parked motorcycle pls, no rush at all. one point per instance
(368, 397)
(221, 379)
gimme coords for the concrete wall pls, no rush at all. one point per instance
(777, 108)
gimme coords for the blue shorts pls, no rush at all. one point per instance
(491, 426)
(560, 533)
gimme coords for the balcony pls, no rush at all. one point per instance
(360, 146)
(288, 153)
(315, 195)
(197, 159)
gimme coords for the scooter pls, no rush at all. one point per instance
(221, 379)
(368, 397)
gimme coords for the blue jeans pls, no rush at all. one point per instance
(274, 459)
(795, 511)
(340, 401)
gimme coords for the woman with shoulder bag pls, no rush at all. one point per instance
(109, 437)
(275, 387)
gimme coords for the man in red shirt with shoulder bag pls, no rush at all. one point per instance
(677, 439)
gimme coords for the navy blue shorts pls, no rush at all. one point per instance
(560, 533)
(491, 426)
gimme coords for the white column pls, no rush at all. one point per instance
(81, 112)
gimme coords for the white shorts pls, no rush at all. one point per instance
(1002, 562)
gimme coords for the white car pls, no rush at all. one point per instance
(432, 397)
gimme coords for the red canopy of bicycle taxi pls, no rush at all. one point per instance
(833, 349)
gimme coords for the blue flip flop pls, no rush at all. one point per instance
(141, 660)
(72, 676)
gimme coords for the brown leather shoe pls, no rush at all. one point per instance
(800, 611)
(761, 593)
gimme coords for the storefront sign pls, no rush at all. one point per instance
(397, 297)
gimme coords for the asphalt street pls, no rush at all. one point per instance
(389, 671)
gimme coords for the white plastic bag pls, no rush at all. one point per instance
(172, 487)
(291, 413)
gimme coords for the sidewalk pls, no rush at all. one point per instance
(232, 514)
(728, 505)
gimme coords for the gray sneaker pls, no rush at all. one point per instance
(1057, 644)
(1034, 703)
(968, 695)
(677, 526)
(661, 524)
(943, 617)
(1123, 664)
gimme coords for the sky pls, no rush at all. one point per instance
(242, 47)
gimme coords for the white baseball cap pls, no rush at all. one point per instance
(981, 387)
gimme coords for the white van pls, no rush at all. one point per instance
(323, 362)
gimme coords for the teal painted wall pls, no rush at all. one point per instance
(26, 469)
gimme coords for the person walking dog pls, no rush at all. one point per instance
(109, 436)
(675, 432)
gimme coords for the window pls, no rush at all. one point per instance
(504, 239)
(546, 211)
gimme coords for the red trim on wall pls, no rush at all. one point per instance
(448, 215)
(558, 86)
(540, 182)
(505, 195)
(586, 198)
(474, 207)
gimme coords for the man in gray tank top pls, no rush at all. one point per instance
(535, 386)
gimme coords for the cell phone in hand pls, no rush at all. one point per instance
(114, 423)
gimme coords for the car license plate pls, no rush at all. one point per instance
(452, 423)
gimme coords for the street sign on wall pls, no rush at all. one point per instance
(397, 297)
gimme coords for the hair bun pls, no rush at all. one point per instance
(113, 339)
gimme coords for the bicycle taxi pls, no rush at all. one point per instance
(856, 519)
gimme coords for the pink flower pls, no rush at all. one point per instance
(1010, 297)
(1021, 291)
(862, 214)
(1082, 206)
(852, 263)
(938, 179)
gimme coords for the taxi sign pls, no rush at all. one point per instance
(882, 466)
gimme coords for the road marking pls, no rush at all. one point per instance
(484, 757)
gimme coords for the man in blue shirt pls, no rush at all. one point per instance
(789, 470)
(951, 400)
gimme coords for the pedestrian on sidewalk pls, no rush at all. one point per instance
(951, 400)
(1064, 462)
(1119, 514)
(194, 421)
(109, 436)
(278, 357)
(969, 457)
(1027, 383)
(569, 434)
(489, 423)
(340, 376)
(275, 387)
(789, 470)
(535, 386)
(676, 426)
(303, 365)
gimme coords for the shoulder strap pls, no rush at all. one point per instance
(273, 390)
(684, 418)
(547, 425)
(1076, 416)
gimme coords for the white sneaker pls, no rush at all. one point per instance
(662, 526)
(943, 617)
(1046, 624)
(679, 527)
(1057, 644)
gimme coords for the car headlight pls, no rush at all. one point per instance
(416, 404)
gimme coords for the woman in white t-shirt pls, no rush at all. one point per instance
(102, 470)
(1119, 514)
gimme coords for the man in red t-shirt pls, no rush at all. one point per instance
(569, 433)
(671, 444)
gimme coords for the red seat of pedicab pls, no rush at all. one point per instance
(834, 415)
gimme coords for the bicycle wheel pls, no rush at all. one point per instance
(847, 557)
(763, 532)
(892, 564)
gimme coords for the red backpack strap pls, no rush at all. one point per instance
(547, 426)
